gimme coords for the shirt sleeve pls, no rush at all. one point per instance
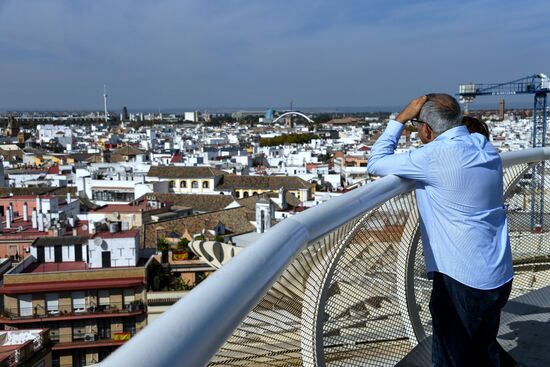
(382, 161)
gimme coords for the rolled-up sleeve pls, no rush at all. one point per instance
(382, 161)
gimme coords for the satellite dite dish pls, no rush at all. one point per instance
(84, 227)
(98, 241)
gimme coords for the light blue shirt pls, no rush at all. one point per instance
(459, 192)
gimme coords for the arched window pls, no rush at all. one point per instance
(245, 194)
(205, 185)
(194, 184)
(183, 184)
(172, 184)
(254, 193)
(237, 194)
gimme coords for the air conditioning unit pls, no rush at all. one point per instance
(89, 337)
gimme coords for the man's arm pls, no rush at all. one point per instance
(413, 164)
(383, 162)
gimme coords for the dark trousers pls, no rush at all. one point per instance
(465, 324)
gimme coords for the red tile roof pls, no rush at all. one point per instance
(53, 170)
(121, 208)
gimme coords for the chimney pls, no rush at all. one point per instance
(49, 219)
(41, 221)
(8, 218)
(282, 197)
(12, 212)
(34, 219)
(25, 211)
(38, 204)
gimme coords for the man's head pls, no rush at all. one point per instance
(440, 113)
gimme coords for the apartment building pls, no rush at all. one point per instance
(25, 348)
(89, 292)
(187, 180)
(23, 218)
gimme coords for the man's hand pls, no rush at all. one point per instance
(412, 110)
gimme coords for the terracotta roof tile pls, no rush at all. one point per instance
(201, 203)
(183, 172)
(235, 221)
(262, 182)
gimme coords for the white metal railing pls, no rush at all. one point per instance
(193, 330)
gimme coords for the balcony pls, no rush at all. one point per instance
(344, 284)
(89, 340)
(61, 313)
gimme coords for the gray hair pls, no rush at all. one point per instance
(441, 112)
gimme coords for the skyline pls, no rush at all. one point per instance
(224, 54)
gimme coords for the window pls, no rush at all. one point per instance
(194, 184)
(103, 298)
(205, 185)
(237, 194)
(25, 305)
(54, 334)
(79, 330)
(245, 194)
(55, 359)
(183, 184)
(172, 184)
(52, 303)
(79, 358)
(79, 301)
(112, 196)
(128, 297)
(129, 325)
(104, 328)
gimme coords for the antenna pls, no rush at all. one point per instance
(105, 102)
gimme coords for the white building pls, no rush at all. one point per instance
(191, 116)
(62, 134)
(113, 249)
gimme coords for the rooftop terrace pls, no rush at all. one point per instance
(344, 284)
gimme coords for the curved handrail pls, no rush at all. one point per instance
(193, 329)
(524, 156)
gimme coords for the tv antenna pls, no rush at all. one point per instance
(105, 102)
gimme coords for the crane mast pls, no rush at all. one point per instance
(539, 86)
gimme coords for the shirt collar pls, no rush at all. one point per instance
(453, 133)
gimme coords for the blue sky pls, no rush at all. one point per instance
(236, 53)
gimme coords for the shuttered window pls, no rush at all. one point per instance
(52, 302)
(79, 301)
(128, 296)
(104, 299)
(25, 305)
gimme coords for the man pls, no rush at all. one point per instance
(459, 191)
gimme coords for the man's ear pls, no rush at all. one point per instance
(430, 135)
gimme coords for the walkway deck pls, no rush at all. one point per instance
(524, 332)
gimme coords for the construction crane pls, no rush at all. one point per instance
(539, 85)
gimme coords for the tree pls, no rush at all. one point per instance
(183, 244)
(162, 244)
